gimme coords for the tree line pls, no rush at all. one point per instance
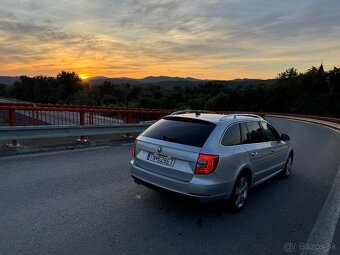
(314, 91)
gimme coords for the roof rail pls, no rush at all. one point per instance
(234, 116)
(197, 112)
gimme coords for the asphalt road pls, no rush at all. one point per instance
(84, 202)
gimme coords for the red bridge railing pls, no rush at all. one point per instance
(21, 114)
(32, 115)
(29, 114)
(25, 114)
(79, 106)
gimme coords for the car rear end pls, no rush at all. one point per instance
(168, 156)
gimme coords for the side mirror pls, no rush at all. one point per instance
(285, 138)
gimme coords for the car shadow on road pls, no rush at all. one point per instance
(184, 207)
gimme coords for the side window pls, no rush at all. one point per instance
(245, 136)
(269, 132)
(255, 132)
(232, 136)
(273, 130)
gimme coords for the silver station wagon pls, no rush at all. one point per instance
(210, 156)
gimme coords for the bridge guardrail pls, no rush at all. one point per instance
(33, 132)
(321, 121)
(29, 115)
(25, 121)
(323, 118)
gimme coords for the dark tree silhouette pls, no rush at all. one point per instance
(315, 91)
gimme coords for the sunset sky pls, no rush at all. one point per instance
(211, 39)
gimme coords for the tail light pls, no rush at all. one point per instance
(133, 151)
(206, 164)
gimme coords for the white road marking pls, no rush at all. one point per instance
(321, 237)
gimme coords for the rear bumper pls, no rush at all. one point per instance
(203, 188)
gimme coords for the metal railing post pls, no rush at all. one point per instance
(129, 118)
(11, 114)
(128, 121)
(82, 118)
(35, 118)
(91, 118)
(82, 122)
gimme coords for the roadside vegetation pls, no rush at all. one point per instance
(313, 92)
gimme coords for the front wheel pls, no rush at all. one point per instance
(240, 193)
(288, 167)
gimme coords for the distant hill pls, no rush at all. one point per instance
(8, 80)
(232, 84)
(166, 81)
(157, 79)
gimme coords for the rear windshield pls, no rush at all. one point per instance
(179, 130)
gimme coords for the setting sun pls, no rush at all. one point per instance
(83, 76)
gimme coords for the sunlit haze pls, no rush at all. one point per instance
(209, 39)
(83, 76)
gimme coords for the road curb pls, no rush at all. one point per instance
(8, 152)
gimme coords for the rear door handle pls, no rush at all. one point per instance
(254, 153)
(273, 150)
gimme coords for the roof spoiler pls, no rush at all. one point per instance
(197, 112)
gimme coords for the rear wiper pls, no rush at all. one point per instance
(169, 139)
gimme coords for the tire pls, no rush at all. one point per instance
(288, 167)
(240, 193)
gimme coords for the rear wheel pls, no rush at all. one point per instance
(288, 167)
(240, 193)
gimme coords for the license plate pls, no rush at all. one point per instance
(161, 159)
